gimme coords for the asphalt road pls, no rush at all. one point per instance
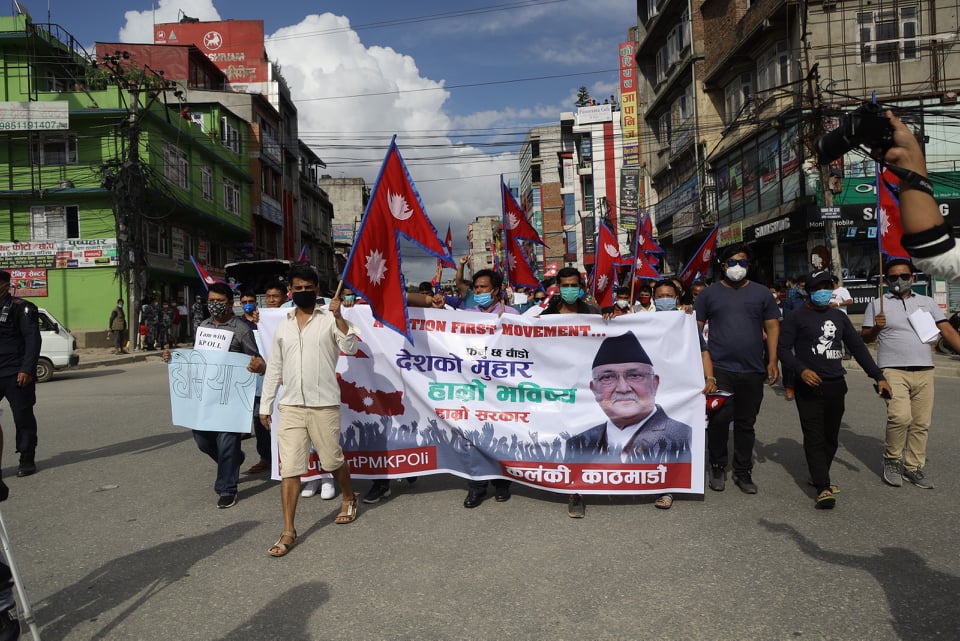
(118, 537)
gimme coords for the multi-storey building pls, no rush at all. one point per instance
(98, 169)
(679, 124)
(348, 197)
(775, 76)
(539, 193)
(316, 219)
(591, 157)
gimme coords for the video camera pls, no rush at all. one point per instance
(867, 125)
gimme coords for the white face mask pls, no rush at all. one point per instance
(736, 273)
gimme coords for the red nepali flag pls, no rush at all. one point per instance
(377, 402)
(604, 273)
(699, 265)
(645, 237)
(519, 271)
(206, 278)
(643, 270)
(373, 269)
(448, 243)
(515, 221)
(889, 229)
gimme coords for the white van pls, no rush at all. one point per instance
(58, 349)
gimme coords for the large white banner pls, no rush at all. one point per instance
(482, 396)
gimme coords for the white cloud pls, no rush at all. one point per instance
(321, 59)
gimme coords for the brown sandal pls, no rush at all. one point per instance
(283, 548)
(665, 502)
(348, 512)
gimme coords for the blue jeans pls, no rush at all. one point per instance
(224, 449)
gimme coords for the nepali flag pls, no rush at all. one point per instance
(448, 243)
(889, 228)
(699, 265)
(642, 266)
(604, 273)
(515, 221)
(303, 258)
(645, 237)
(519, 271)
(206, 278)
(373, 269)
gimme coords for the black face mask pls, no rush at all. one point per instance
(305, 299)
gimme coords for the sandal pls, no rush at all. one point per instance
(282, 549)
(665, 502)
(348, 512)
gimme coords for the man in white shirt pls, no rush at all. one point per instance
(840, 297)
(306, 347)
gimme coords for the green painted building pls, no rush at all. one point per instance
(70, 213)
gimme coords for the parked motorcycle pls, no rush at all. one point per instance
(941, 346)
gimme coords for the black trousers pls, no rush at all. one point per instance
(821, 411)
(22, 400)
(742, 408)
(481, 486)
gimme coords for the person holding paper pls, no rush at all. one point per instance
(811, 344)
(224, 331)
(907, 363)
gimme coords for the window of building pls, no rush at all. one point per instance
(231, 196)
(737, 95)
(176, 166)
(888, 35)
(206, 182)
(158, 240)
(773, 66)
(664, 128)
(651, 8)
(54, 222)
(569, 210)
(58, 149)
(535, 174)
(535, 148)
(230, 136)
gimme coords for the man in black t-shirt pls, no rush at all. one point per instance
(741, 314)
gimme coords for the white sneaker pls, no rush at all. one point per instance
(309, 488)
(328, 490)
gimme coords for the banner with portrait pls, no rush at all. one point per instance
(482, 396)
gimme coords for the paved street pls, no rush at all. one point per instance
(118, 537)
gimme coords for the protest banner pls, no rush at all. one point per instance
(483, 396)
(211, 390)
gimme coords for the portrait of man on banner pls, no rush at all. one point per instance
(637, 430)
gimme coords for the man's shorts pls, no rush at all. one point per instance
(299, 426)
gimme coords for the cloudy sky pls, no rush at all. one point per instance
(459, 83)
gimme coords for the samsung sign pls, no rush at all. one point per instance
(770, 228)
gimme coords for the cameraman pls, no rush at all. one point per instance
(926, 236)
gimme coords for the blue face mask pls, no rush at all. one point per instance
(249, 308)
(570, 295)
(821, 297)
(665, 304)
(483, 300)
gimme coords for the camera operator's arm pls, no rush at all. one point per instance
(925, 234)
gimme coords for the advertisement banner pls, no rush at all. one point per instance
(629, 197)
(28, 282)
(34, 116)
(61, 254)
(235, 46)
(483, 396)
(629, 115)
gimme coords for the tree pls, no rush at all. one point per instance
(583, 97)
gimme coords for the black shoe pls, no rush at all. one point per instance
(26, 469)
(412, 479)
(227, 500)
(575, 507)
(9, 625)
(745, 482)
(503, 494)
(718, 478)
(378, 491)
(474, 498)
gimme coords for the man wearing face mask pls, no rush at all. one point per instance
(570, 301)
(811, 344)
(741, 314)
(486, 295)
(908, 365)
(621, 304)
(224, 447)
(645, 300)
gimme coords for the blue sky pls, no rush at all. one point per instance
(343, 47)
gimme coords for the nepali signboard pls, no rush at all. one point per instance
(60, 254)
(484, 396)
(34, 116)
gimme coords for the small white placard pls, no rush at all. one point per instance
(214, 339)
(924, 325)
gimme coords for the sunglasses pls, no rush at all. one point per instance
(743, 262)
(895, 277)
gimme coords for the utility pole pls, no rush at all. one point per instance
(829, 225)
